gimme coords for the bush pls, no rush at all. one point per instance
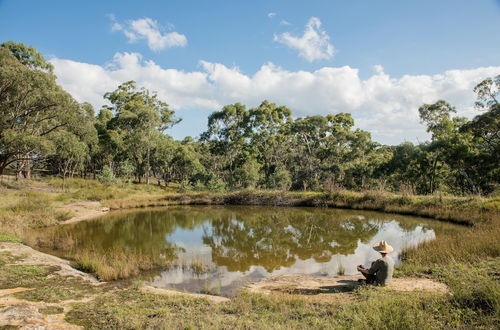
(216, 184)
(280, 179)
(107, 176)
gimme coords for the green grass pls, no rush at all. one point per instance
(9, 237)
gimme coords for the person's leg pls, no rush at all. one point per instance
(370, 278)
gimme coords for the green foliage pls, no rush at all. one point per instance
(28, 56)
(248, 174)
(32, 107)
(126, 170)
(280, 179)
(107, 177)
(216, 185)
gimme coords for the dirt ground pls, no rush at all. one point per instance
(84, 210)
(335, 289)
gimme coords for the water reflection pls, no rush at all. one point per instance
(218, 249)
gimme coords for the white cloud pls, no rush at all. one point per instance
(381, 104)
(271, 15)
(312, 45)
(285, 22)
(148, 29)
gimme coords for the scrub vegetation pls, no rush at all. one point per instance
(258, 156)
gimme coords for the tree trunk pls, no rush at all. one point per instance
(19, 168)
(147, 168)
(469, 180)
(27, 167)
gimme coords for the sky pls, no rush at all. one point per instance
(378, 60)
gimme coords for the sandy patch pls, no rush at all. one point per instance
(84, 210)
(331, 286)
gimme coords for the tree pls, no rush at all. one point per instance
(28, 56)
(226, 136)
(452, 145)
(138, 114)
(32, 106)
(70, 152)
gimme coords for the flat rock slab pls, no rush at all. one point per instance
(30, 256)
(314, 285)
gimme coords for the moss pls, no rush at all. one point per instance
(9, 237)
(49, 310)
(58, 288)
(26, 276)
(44, 283)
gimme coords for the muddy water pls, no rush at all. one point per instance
(218, 249)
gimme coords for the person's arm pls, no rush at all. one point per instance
(363, 270)
(375, 267)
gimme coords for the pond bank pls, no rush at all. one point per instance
(458, 210)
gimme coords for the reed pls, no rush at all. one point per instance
(116, 264)
(340, 269)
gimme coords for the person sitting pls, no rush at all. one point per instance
(380, 272)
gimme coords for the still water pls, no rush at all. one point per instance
(218, 249)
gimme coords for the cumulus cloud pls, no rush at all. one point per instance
(271, 15)
(384, 105)
(150, 30)
(313, 45)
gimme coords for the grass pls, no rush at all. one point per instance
(9, 237)
(340, 269)
(49, 310)
(371, 309)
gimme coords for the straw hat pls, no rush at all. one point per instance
(383, 247)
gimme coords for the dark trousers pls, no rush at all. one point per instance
(370, 278)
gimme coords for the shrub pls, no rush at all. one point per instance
(280, 179)
(106, 176)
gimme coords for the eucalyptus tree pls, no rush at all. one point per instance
(32, 106)
(186, 166)
(270, 140)
(485, 128)
(227, 137)
(28, 56)
(138, 113)
(452, 145)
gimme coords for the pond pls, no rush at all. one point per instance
(218, 249)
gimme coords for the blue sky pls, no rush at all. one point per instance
(376, 59)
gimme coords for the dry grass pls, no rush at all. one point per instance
(461, 247)
(116, 264)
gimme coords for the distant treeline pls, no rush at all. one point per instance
(43, 127)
